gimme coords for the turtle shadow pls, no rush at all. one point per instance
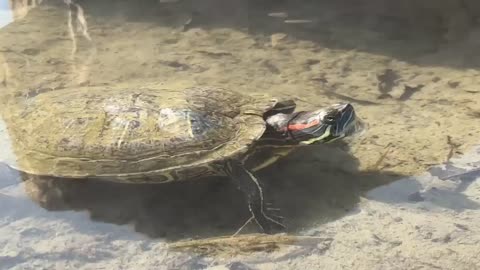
(313, 186)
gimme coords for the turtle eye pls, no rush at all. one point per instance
(329, 119)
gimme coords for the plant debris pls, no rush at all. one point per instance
(246, 243)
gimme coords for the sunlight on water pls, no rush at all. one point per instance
(5, 142)
(6, 14)
(123, 122)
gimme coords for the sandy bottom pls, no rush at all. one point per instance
(370, 199)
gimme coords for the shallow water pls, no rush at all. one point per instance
(382, 200)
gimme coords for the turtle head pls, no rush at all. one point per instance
(324, 125)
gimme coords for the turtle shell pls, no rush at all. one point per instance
(127, 135)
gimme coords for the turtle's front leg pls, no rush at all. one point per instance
(253, 192)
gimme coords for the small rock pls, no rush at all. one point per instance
(311, 62)
(398, 219)
(447, 238)
(453, 84)
(239, 266)
(396, 243)
(31, 51)
(461, 226)
(175, 64)
(428, 235)
(277, 38)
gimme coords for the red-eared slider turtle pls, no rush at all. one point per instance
(161, 135)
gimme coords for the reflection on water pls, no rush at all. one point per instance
(409, 68)
(13, 10)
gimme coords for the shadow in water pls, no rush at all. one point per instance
(311, 187)
(404, 30)
(442, 187)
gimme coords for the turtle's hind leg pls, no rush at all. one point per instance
(251, 188)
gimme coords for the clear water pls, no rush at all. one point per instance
(411, 70)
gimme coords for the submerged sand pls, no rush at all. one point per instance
(418, 222)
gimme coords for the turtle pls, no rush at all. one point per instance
(159, 135)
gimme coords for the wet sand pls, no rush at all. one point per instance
(333, 58)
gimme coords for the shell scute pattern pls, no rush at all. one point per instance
(132, 134)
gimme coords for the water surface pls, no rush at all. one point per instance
(411, 71)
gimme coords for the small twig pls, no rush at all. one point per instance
(473, 171)
(381, 158)
(246, 243)
(243, 226)
(453, 148)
